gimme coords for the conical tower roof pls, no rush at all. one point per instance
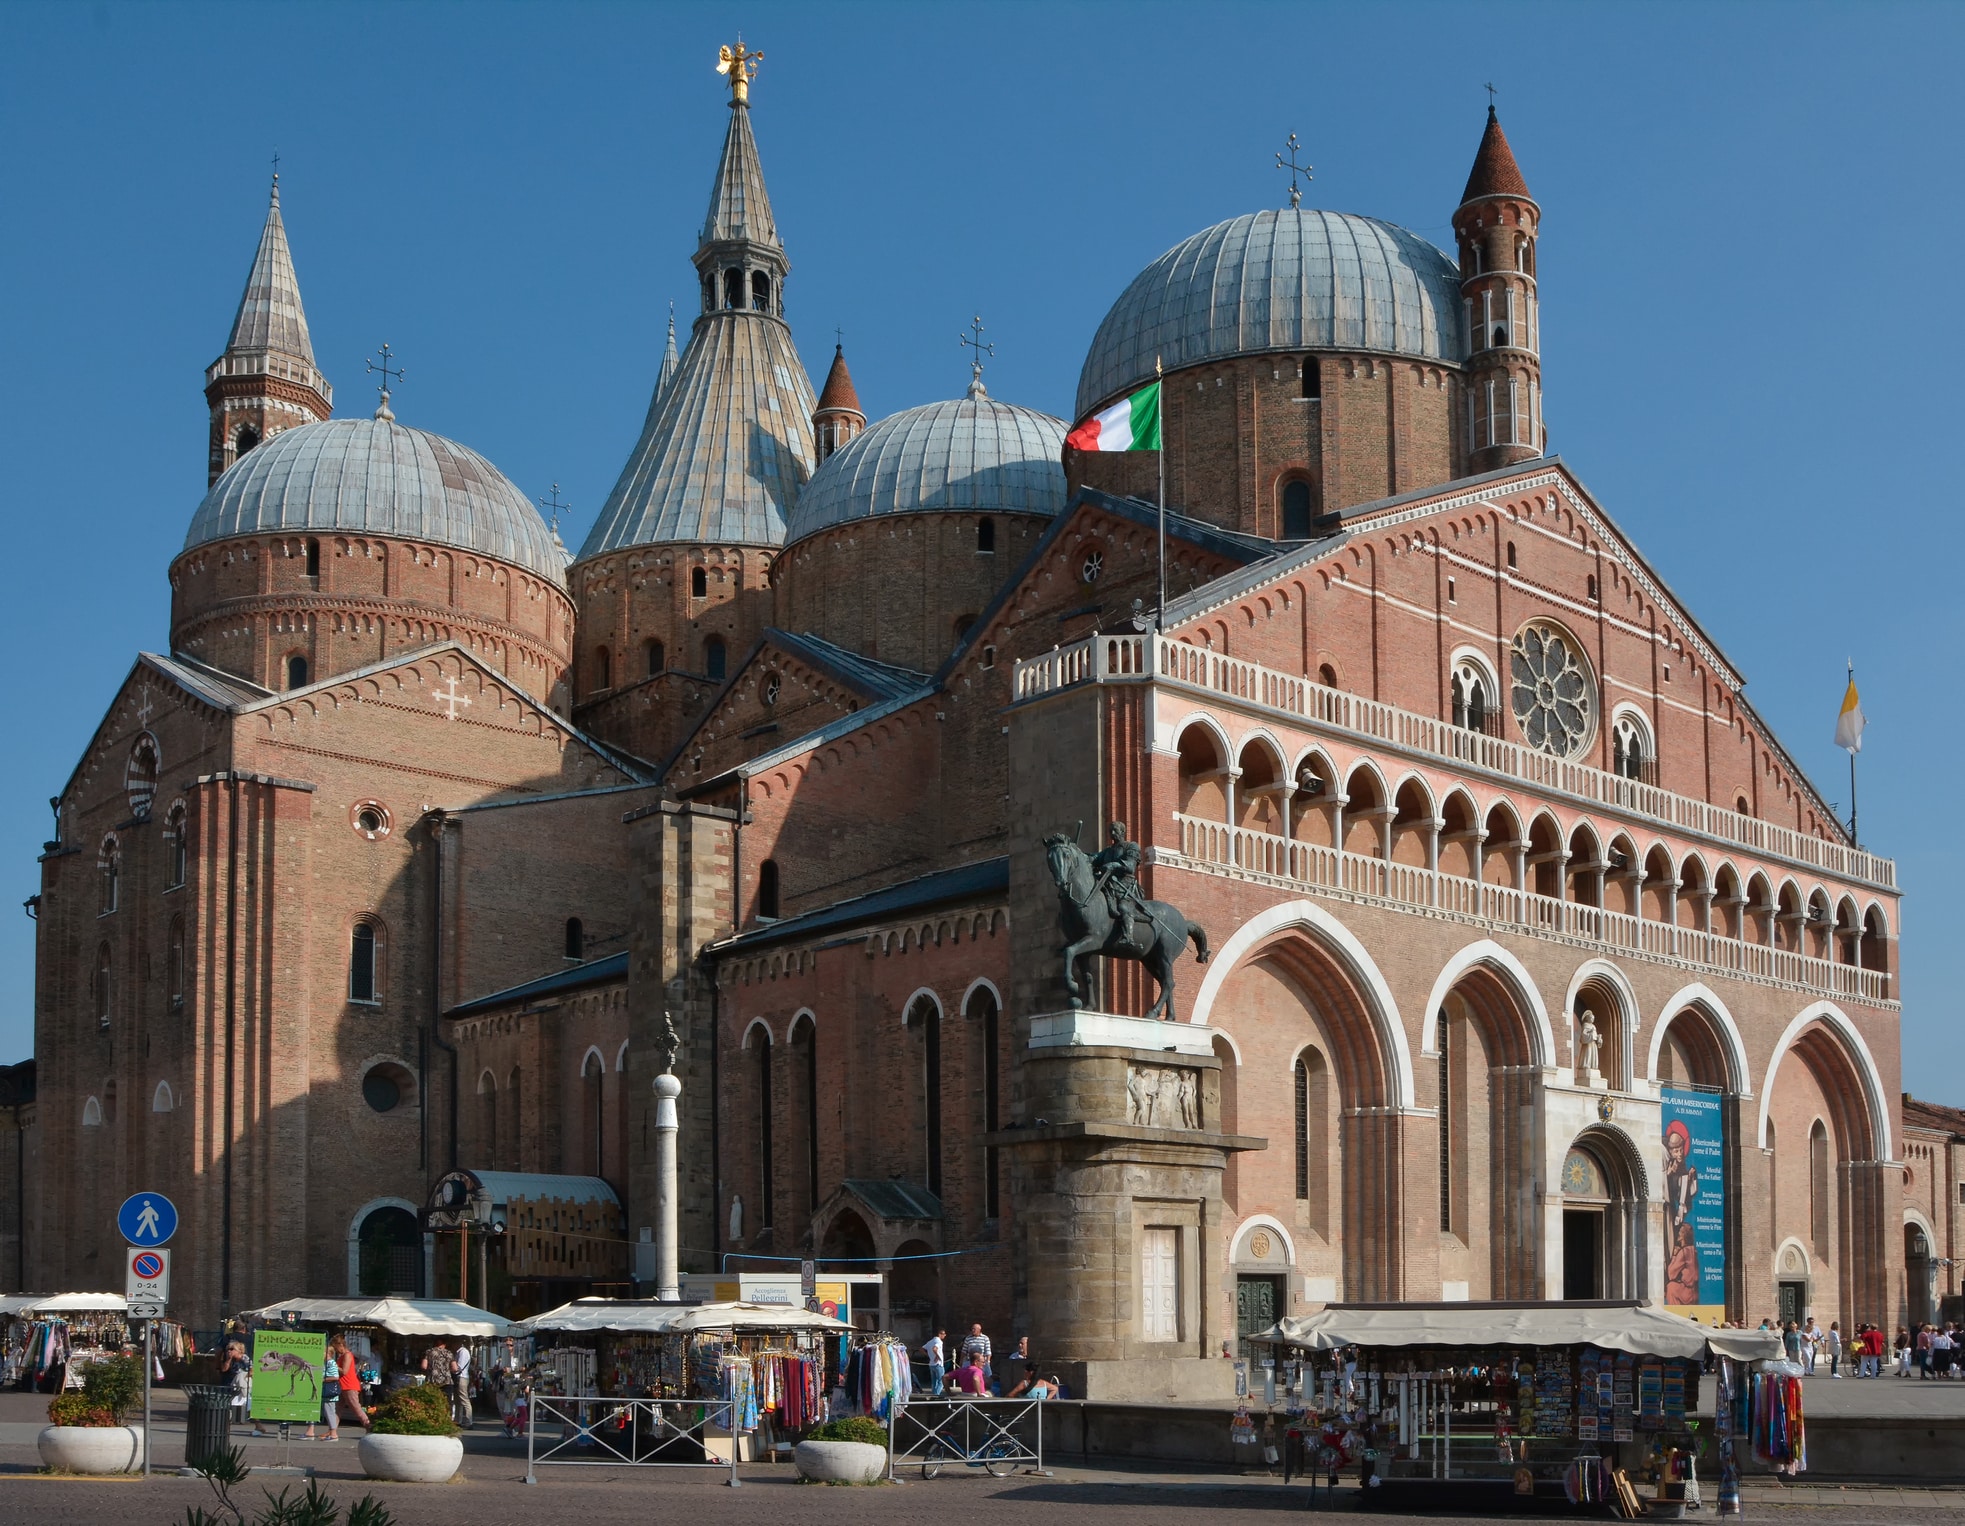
(838, 393)
(727, 442)
(1495, 172)
(740, 207)
(269, 332)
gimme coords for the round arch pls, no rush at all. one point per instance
(1851, 1039)
(1739, 1079)
(1338, 940)
(1250, 1225)
(1212, 726)
(1514, 975)
(373, 1205)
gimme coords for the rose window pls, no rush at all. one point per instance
(1552, 690)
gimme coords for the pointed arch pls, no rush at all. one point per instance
(1313, 921)
(1849, 1039)
(1702, 999)
(752, 1027)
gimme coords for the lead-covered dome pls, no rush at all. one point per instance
(376, 477)
(969, 454)
(1297, 279)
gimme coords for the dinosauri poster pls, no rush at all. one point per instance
(286, 1375)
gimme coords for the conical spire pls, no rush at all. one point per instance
(1495, 172)
(740, 208)
(669, 360)
(270, 316)
(838, 393)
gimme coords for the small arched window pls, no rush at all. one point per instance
(313, 558)
(767, 888)
(986, 537)
(657, 658)
(1630, 748)
(713, 657)
(1511, 556)
(1327, 675)
(174, 965)
(603, 669)
(576, 939)
(140, 776)
(109, 868)
(296, 671)
(92, 1114)
(1590, 585)
(760, 291)
(362, 984)
(1820, 1213)
(1743, 805)
(699, 583)
(1500, 336)
(102, 989)
(246, 439)
(709, 294)
(1296, 510)
(1313, 377)
(1301, 1079)
(1473, 695)
(733, 288)
(177, 851)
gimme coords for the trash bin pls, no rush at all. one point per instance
(208, 1430)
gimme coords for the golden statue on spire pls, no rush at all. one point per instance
(740, 63)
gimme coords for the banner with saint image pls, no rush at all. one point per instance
(1695, 1204)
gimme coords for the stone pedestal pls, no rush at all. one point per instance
(1119, 1135)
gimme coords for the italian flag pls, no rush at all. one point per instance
(1132, 423)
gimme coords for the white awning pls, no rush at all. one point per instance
(633, 1316)
(1641, 1329)
(399, 1316)
(64, 1303)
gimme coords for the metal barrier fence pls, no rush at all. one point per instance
(1000, 1436)
(633, 1433)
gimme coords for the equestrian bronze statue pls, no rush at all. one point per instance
(1101, 910)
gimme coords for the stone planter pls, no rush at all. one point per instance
(840, 1462)
(91, 1448)
(411, 1459)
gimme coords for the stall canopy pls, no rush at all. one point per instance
(64, 1303)
(628, 1316)
(399, 1316)
(1642, 1329)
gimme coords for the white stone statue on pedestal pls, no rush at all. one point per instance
(1592, 1047)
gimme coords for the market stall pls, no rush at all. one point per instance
(748, 1374)
(391, 1336)
(47, 1340)
(1584, 1401)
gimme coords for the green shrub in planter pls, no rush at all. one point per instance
(79, 1409)
(115, 1384)
(417, 1410)
(860, 1428)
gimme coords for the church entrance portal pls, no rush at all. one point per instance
(391, 1254)
(1582, 1253)
(1793, 1300)
(1258, 1305)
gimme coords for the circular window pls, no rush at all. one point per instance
(387, 1087)
(771, 689)
(1094, 565)
(1553, 692)
(370, 818)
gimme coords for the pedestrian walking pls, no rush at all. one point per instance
(351, 1379)
(330, 1395)
(936, 1351)
(1903, 1351)
(460, 1363)
(1811, 1344)
(1834, 1344)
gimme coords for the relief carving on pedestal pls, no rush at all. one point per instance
(1163, 1097)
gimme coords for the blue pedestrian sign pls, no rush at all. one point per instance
(149, 1218)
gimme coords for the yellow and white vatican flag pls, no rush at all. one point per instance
(1849, 725)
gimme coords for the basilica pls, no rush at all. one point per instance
(1535, 967)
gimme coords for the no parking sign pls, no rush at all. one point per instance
(147, 1276)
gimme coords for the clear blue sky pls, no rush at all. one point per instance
(1751, 313)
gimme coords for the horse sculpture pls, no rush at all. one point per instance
(1158, 933)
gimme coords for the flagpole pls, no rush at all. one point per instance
(1852, 775)
(1160, 414)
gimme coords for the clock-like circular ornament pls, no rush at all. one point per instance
(1553, 690)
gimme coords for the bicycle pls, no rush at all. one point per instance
(998, 1458)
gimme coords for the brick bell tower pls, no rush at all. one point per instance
(266, 380)
(1496, 223)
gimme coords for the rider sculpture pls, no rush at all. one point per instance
(1102, 910)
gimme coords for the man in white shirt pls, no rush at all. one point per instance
(463, 1365)
(936, 1351)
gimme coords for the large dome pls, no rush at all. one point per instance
(1297, 279)
(375, 477)
(970, 454)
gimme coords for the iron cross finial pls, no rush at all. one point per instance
(276, 169)
(973, 340)
(1490, 95)
(839, 337)
(553, 507)
(388, 373)
(1295, 169)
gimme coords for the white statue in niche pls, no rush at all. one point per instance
(1592, 1043)
(1190, 1100)
(736, 1217)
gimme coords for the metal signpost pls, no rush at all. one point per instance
(147, 1220)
